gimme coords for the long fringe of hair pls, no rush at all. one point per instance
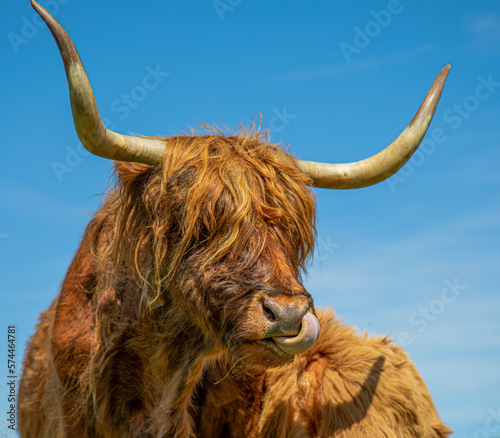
(220, 195)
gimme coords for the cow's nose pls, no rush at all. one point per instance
(283, 320)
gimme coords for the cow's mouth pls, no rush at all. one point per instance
(307, 337)
(279, 350)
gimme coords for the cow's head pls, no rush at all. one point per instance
(226, 222)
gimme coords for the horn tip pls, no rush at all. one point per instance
(35, 5)
(444, 71)
(41, 11)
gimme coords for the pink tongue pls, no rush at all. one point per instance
(308, 335)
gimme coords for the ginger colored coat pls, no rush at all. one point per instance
(174, 317)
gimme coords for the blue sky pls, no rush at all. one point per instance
(417, 255)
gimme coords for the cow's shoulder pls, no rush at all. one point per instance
(347, 385)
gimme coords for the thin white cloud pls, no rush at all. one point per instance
(26, 201)
(363, 65)
(484, 29)
(485, 24)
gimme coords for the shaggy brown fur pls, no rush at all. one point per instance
(157, 332)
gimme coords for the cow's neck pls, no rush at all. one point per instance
(230, 398)
(175, 367)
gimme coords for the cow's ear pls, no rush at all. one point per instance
(132, 175)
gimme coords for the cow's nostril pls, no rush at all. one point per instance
(268, 313)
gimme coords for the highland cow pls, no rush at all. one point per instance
(183, 313)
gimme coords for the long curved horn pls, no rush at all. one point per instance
(96, 138)
(387, 162)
